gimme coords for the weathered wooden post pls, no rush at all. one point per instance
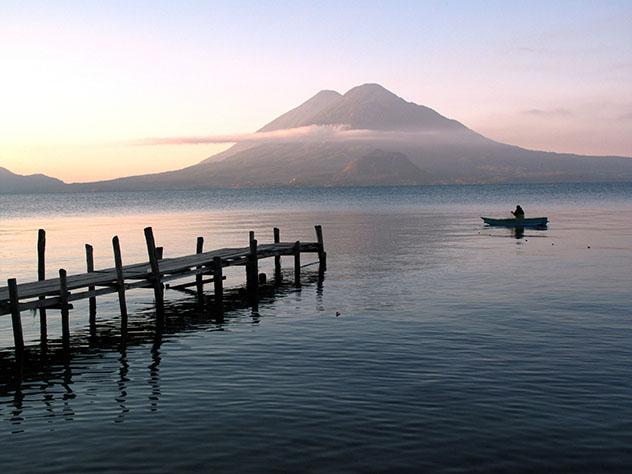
(63, 302)
(322, 255)
(277, 258)
(41, 275)
(199, 277)
(159, 252)
(297, 264)
(90, 269)
(218, 284)
(16, 320)
(252, 270)
(155, 278)
(120, 283)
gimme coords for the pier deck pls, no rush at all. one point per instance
(57, 293)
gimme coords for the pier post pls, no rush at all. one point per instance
(199, 277)
(252, 269)
(277, 258)
(120, 283)
(92, 302)
(155, 278)
(297, 264)
(159, 252)
(218, 284)
(41, 275)
(322, 255)
(16, 320)
(63, 300)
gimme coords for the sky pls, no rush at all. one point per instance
(83, 83)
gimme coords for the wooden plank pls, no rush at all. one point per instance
(51, 286)
(297, 264)
(199, 248)
(277, 258)
(120, 283)
(90, 269)
(218, 284)
(322, 255)
(155, 275)
(54, 302)
(63, 299)
(252, 269)
(143, 270)
(142, 273)
(16, 319)
(41, 276)
(189, 284)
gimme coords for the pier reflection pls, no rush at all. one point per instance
(48, 379)
(121, 399)
(154, 374)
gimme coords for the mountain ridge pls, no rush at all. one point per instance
(364, 132)
(11, 182)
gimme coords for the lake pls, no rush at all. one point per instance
(458, 348)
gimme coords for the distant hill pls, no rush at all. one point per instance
(35, 183)
(441, 150)
(370, 136)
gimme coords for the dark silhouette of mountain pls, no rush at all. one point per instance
(370, 136)
(380, 168)
(35, 183)
(445, 149)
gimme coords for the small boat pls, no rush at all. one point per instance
(530, 222)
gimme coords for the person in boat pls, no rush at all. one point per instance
(518, 213)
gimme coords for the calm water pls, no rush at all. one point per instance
(459, 348)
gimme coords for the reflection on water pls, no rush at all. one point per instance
(517, 355)
(154, 374)
(122, 386)
(43, 365)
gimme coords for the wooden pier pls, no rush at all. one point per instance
(58, 293)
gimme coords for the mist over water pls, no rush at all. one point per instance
(458, 348)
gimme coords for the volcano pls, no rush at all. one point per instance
(370, 136)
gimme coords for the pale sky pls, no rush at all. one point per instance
(79, 80)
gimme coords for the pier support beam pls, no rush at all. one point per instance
(297, 264)
(322, 255)
(156, 278)
(120, 284)
(41, 275)
(63, 301)
(92, 302)
(252, 270)
(218, 284)
(144, 275)
(16, 320)
(198, 278)
(277, 258)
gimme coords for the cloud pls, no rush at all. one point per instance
(307, 134)
(557, 112)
